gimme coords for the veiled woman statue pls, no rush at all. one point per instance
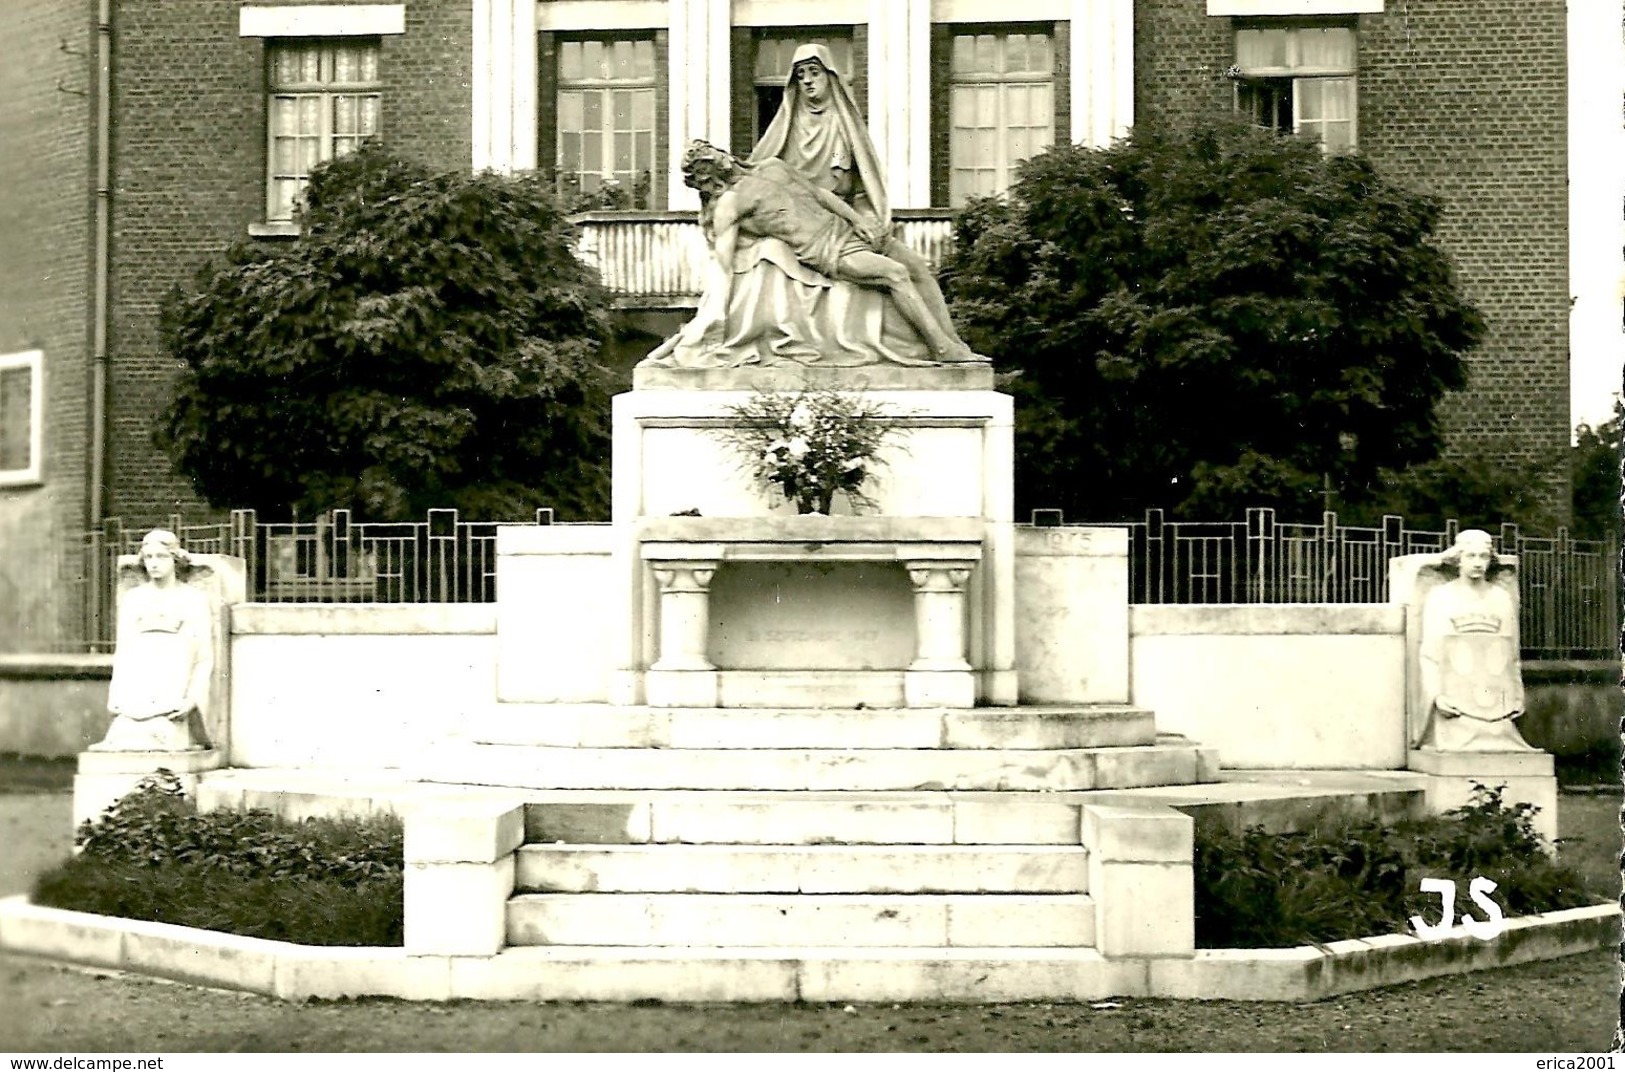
(164, 656)
(772, 306)
(1471, 685)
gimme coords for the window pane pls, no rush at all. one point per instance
(310, 115)
(345, 66)
(592, 152)
(987, 53)
(369, 114)
(964, 59)
(1260, 49)
(284, 116)
(1326, 48)
(345, 115)
(1337, 97)
(643, 60)
(987, 106)
(592, 111)
(570, 111)
(594, 61)
(284, 192)
(1041, 105)
(643, 110)
(1338, 136)
(767, 60)
(569, 151)
(570, 61)
(623, 109)
(643, 150)
(285, 156)
(1040, 55)
(623, 152)
(16, 394)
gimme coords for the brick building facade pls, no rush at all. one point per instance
(1461, 99)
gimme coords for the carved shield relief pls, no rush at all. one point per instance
(1476, 674)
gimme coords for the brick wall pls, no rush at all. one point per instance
(1464, 100)
(45, 287)
(189, 149)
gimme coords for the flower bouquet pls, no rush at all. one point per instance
(810, 444)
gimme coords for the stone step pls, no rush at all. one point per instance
(778, 920)
(611, 726)
(967, 974)
(629, 817)
(1011, 769)
(815, 869)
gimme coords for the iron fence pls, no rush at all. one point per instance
(1569, 588)
(331, 559)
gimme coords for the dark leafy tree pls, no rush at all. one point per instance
(1474, 490)
(1208, 320)
(1595, 473)
(429, 340)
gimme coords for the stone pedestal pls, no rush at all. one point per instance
(104, 778)
(1527, 776)
(949, 472)
(685, 554)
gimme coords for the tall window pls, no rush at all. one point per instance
(21, 411)
(1001, 108)
(773, 51)
(1299, 80)
(606, 115)
(324, 100)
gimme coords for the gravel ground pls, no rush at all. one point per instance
(1563, 1006)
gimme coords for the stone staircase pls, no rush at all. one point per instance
(791, 829)
(745, 894)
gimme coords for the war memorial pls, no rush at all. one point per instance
(863, 740)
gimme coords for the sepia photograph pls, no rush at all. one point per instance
(812, 527)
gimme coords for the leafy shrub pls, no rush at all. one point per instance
(429, 340)
(153, 856)
(1209, 319)
(1361, 877)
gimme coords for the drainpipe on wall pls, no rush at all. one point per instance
(97, 491)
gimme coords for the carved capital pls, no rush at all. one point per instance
(938, 577)
(679, 577)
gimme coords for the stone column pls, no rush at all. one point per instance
(682, 676)
(698, 104)
(505, 86)
(939, 676)
(1102, 71)
(899, 97)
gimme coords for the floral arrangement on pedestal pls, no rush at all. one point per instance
(810, 444)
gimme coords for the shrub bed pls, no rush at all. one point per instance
(1360, 877)
(153, 856)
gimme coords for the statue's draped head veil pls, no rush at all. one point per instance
(843, 111)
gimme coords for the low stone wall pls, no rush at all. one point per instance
(1278, 686)
(53, 705)
(369, 685)
(1572, 708)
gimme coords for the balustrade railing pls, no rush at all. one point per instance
(651, 258)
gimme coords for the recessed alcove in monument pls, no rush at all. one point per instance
(812, 616)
